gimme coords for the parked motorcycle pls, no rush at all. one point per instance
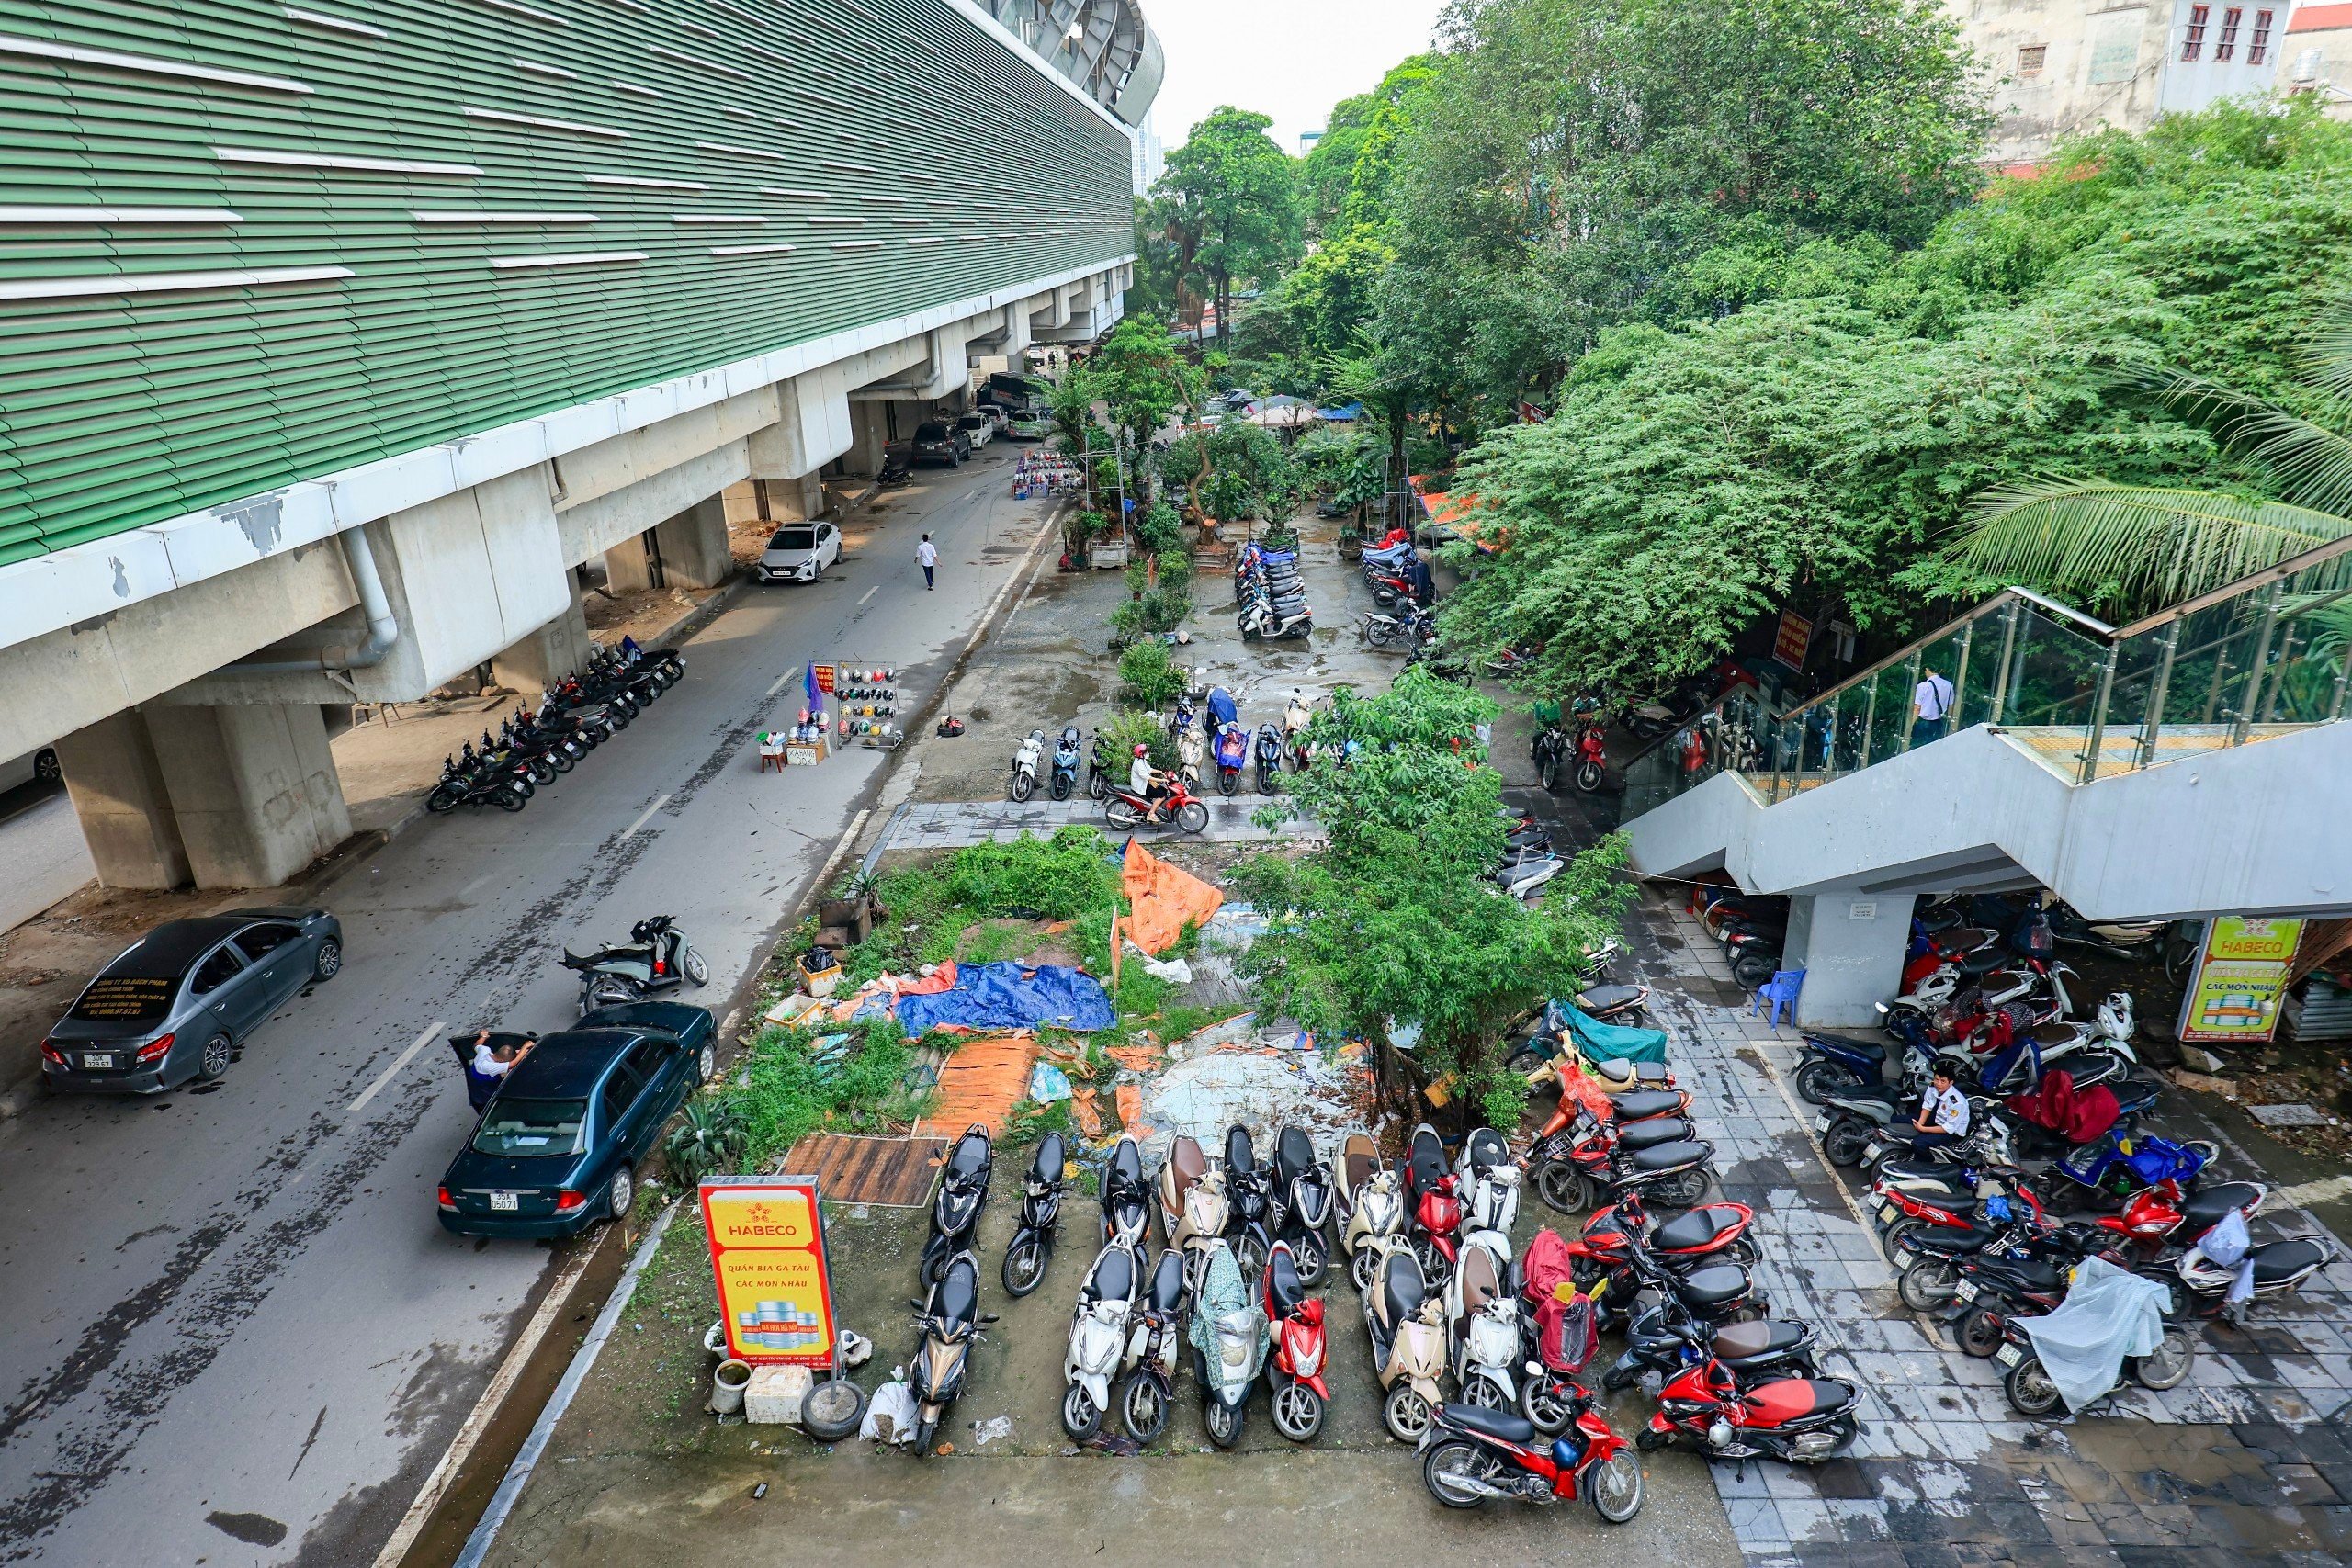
(458, 787)
(1032, 1246)
(658, 960)
(2277, 1266)
(1152, 1346)
(1193, 1205)
(1249, 1191)
(948, 1325)
(1228, 1339)
(1295, 1386)
(1436, 1206)
(1026, 759)
(1487, 1180)
(1098, 1339)
(1232, 749)
(1483, 1327)
(955, 1206)
(1664, 1336)
(1302, 1202)
(1798, 1420)
(1103, 772)
(1471, 1454)
(1376, 1214)
(1127, 1197)
(1065, 778)
(1269, 754)
(1405, 1323)
(2105, 1312)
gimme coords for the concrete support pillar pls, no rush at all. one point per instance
(253, 789)
(1850, 946)
(117, 786)
(799, 499)
(690, 550)
(868, 434)
(548, 654)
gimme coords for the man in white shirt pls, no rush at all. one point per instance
(927, 553)
(1943, 1113)
(1930, 706)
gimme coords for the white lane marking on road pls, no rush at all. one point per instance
(644, 816)
(783, 681)
(477, 882)
(871, 592)
(432, 1032)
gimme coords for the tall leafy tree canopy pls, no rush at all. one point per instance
(1233, 194)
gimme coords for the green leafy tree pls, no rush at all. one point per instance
(1327, 172)
(1229, 184)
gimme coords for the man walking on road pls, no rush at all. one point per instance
(1931, 706)
(928, 554)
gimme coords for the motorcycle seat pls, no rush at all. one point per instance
(1402, 1289)
(1167, 1281)
(1480, 1283)
(1604, 998)
(1184, 1158)
(1487, 1150)
(1647, 1103)
(1945, 1202)
(1868, 1050)
(970, 1157)
(2203, 1211)
(2048, 1034)
(1048, 1166)
(1697, 1228)
(2276, 1261)
(959, 1292)
(1619, 1077)
(1357, 1168)
(1283, 1283)
(1935, 921)
(1983, 961)
(1294, 1152)
(1790, 1398)
(1969, 939)
(1496, 1424)
(2032, 1273)
(1667, 1157)
(1651, 1134)
(1743, 1340)
(1113, 1277)
(1714, 1285)
(1868, 1094)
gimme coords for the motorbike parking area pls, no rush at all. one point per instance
(2247, 1459)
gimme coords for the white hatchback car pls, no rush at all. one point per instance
(799, 552)
(979, 428)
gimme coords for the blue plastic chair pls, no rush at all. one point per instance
(1780, 990)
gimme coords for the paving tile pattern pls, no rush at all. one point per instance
(952, 824)
(2247, 1460)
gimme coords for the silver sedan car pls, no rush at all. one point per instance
(178, 1002)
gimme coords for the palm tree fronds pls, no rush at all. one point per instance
(2327, 357)
(2130, 549)
(2309, 463)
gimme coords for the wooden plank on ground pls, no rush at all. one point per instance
(854, 1168)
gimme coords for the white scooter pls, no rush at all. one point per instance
(1098, 1339)
(1024, 765)
(1489, 1180)
(1481, 1326)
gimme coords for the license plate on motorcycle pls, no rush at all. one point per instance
(1965, 1290)
(1821, 1122)
(505, 1202)
(2008, 1355)
(1886, 1213)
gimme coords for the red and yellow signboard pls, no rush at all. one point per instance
(767, 1254)
(1789, 643)
(2240, 982)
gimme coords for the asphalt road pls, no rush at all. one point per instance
(235, 1333)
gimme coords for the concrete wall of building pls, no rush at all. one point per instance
(2318, 59)
(2243, 830)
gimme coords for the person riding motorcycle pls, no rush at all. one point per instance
(1145, 781)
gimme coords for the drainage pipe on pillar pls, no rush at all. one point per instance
(383, 627)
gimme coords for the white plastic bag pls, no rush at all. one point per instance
(889, 1415)
(2107, 1315)
(2227, 1244)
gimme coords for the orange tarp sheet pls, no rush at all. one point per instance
(1165, 898)
(982, 1081)
(1456, 512)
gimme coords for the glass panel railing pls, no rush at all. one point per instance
(2266, 655)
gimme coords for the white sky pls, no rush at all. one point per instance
(1289, 59)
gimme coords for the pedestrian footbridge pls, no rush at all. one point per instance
(2194, 763)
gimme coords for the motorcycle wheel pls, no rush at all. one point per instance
(1546, 1411)
(1122, 814)
(1549, 775)
(1363, 1268)
(832, 1410)
(1098, 787)
(925, 1432)
(1023, 785)
(1891, 1242)
(1613, 1378)
(1589, 777)
(1266, 779)
(1080, 1417)
(1193, 816)
(1436, 1267)
(1224, 1422)
(2029, 1389)
(1751, 970)
(1650, 1440)
(1405, 1413)
(2168, 1364)
(1143, 1405)
(1061, 789)
(1818, 1080)
(1298, 1412)
(1249, 1253)
(1484, 1392)
(1615, 1487)
(510, 800)
(1314, 1260)
(1024, 1266)
(1563, 1189)
(1926, 1284)
(1844, 1143)
(605, 992)
(1980, 1333)
(442, 801)
(1447, 1467)
(1683, 1189)
(542, 772)
(560, 761)
(1228, 783)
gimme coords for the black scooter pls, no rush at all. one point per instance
(949, 1322)
(956, 1207)
(1032, 1246)
(1126, 1196)
(1666, 1336)
(458, 787)
(1302, 1194)
(658, 960)
(1249, 1201)
(1269, 757)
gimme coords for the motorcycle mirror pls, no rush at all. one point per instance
(915, 1302)
(987, 1318)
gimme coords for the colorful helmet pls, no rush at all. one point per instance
(1141, 750)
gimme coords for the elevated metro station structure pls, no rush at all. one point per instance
(334, 336)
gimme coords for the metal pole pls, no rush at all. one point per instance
(1910, 711)
(2243, 721)
(1960, 676)
(2286, 657)
(2158, 690)
(2009, 651)
(2343, 686)
(2097, 735)
(1830, 739)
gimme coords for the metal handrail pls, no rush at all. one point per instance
(1917, 644)
(2316, 556)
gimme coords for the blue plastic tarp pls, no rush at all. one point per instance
(1001, 997)
(1606, 1041)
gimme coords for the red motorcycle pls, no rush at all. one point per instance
(1125, 811)
(1576, 1160)
(1715, 1233)
(1591, 749)
(1470, 1453)
(1798, 1420)
(1294, 1370)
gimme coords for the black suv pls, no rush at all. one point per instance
(937, 442)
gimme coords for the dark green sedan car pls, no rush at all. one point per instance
(556, 1149)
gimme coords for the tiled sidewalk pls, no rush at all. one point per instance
(934, 825)
(2246, 1461)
